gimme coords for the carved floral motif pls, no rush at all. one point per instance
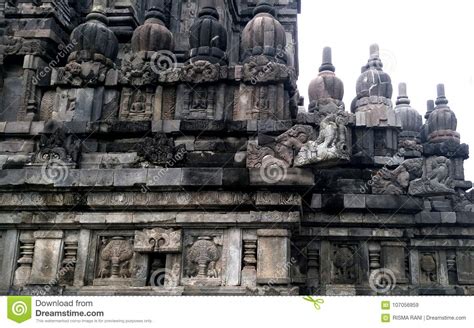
(58, 146)
(201, 71)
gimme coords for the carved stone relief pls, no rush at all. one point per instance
(203, 259)
(436, 179)
(115, 257)
(397, 181)
(331, 147)
(344, 263)
(429, 268)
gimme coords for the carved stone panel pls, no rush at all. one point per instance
(436, 180)
(203, 260)
(158, 240)
(345, 264)
(465, 266)
(428, 268)
(273, 256)
(47, 258)
(115, 261)
(136, 105)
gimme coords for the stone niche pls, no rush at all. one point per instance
(160, 252)
(200, 101)
(273, 256)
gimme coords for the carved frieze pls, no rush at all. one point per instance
(157, 240)
(202, 71)
(261, 70)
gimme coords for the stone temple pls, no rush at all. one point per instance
(161, 147)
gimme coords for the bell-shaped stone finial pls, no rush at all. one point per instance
(94, 37)
(153, 35)
(326, 87)
(374, 86)
(264, 35)
(411, 120)
(442, 122)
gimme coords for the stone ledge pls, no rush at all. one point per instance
(278, 219)
(284, 177)
(352, 232)
(398, 203)
(148, 199)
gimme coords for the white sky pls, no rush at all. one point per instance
(422, 43)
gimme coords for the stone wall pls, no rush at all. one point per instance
(161, 148)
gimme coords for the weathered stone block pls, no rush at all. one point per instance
(354, 201)
(46, 261)
(202, 177)
(130, 177)
(273, 256)
(164, 177)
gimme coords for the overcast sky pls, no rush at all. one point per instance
(422, 43)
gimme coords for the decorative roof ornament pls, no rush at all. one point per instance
(374, 86)
(442, 122)
(208, 37)
(93, 39)
(153, 35)
(264, 35)
(410, 118)
(326, 88)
